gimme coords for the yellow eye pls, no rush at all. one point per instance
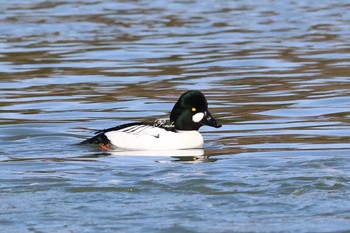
(194, 109)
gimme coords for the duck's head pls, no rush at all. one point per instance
(191, 112)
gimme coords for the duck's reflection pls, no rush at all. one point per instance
(194, 159)
(158, 153)
(187, 156)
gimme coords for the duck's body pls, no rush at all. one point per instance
(188, 115)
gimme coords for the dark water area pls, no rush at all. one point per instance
(276, 75)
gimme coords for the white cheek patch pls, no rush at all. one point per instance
(197, 117)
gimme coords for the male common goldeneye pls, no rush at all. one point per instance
(187, 116)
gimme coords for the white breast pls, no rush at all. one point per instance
(145, 137)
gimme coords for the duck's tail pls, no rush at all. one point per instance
(100, 138)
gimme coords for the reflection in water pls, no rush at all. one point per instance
(195, 159)
(187, 156)
(161, 153)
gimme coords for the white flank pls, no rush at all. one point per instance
(198, 117)
(154, 138)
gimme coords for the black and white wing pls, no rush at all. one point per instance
(140, 128)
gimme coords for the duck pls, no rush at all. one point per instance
(189, 113)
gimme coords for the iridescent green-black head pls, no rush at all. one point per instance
(191, 112)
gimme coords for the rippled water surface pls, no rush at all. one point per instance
(276, 75)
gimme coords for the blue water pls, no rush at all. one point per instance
(275, 74)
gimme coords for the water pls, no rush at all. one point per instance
(276, 75)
